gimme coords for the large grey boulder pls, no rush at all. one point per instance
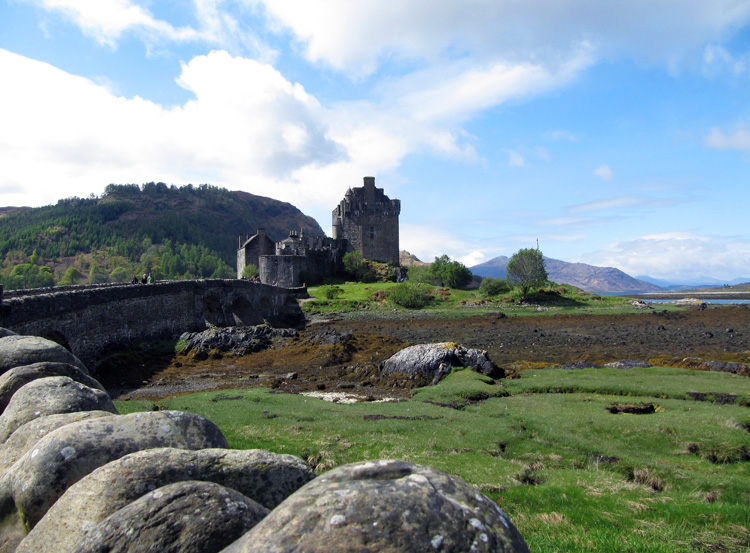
(57, 461)
(426, 363)
(267, 478)
(185, 517)
(50, 396)
(30, 433)
(12, 380)
(384, 507)
(16, 351)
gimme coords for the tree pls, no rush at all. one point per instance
(250, 271)
(71, 276)
(526, 270)
(453, 274)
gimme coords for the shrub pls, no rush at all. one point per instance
(411, 295)
(491, 286)
(330, 292)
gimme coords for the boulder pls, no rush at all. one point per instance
(50, 396)
(184, 517)
(57, 461)
(267, 478)
(5, 332)
(16, 351)
(422, 362)
(30, 433)
(384, 507)
(16, 377)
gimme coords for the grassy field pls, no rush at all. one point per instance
(355, 300)
(572, 475)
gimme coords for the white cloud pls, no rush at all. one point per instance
(604, 172)
(622, 202)
(428, 242)
(248, 128)
(678, 256)
(356, 36)
(717, 59)
(738, 140)
(107, 20)
(561, 135)
(473, 258)
(515, 159)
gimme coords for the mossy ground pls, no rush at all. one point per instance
(572, 475)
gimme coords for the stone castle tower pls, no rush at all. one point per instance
(368, 220)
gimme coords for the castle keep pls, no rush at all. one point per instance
(366, 220)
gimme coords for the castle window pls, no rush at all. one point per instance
(372, 233)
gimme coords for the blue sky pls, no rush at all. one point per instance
(616, 133)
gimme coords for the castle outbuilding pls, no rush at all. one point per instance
(365, 220)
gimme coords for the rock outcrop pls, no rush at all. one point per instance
(232, 340)
(77, 477)
(429, 363)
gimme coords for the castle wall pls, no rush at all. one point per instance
(90, 320)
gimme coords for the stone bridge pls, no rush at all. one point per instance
(90, 319)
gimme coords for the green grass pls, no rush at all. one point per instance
(572, 476)
(359, 299)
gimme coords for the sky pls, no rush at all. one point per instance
(611, 133)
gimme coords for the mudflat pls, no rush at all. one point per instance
(344, 354)
(720, 333)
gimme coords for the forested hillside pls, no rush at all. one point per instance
(186, 232)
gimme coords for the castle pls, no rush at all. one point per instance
(366, 220)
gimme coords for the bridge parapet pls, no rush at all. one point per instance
(88, 320)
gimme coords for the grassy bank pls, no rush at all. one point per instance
(572, 475)
(352, 300)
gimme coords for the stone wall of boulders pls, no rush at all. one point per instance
(75, 477)
(89, 320)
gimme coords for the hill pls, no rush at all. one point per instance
(586, 277)
(186, 232)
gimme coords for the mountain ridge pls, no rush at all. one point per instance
(587, 277)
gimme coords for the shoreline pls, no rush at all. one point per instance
(696, 294)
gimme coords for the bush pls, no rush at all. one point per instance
(491, 286)
(330, 292)
(411, 295)
(358, 267)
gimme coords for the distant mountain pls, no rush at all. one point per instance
(698, 283)
(186, 232)
(586, 277)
